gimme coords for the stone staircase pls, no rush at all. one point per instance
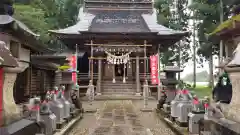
(118, 88)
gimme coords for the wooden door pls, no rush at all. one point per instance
(108, 71)
(19, 87)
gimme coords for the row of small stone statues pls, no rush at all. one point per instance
(54, 111)
(187, 110)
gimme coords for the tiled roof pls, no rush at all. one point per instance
(6, 19)
(6, 58)
(117, 21)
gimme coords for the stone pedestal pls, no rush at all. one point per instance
(58, 78)
(233, 110)
(65, 78)
(11, 112)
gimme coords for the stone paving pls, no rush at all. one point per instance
(120, 117)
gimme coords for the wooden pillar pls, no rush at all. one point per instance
(89, 67)
(124, 73)
(91, 61)
(99, 76)
(145, 59)
(137, 76)
(129, 69)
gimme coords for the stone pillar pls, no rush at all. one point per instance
(233, 110)
(137, 77)
(58, 78)
(67, 93)
(113, 69)
(99, 77)
(10, 110)
(145, 93)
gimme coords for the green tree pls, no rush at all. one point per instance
(177, 20)
(207, 13)
(44, 15)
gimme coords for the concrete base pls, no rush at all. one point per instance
(21, 127)
(90, 110)
(68, 118)
(182, 124)
(138, 94)
(61, 124)
(69, 126)
(222, 127)
(146, 109)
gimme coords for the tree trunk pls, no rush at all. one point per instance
(179, 59)
(211, 78)
(194, 54)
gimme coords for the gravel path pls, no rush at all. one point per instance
(121, 117)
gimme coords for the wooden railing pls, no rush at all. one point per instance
(86, 76)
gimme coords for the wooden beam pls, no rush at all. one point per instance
(116, 45)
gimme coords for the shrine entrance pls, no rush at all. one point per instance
(119, 70)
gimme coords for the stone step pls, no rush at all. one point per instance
(117, 83)
(119, 90)
(120, 86)
(118, 93)
(111, 83)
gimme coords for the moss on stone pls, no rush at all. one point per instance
(227, 24)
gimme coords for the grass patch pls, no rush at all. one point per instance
(202, 91)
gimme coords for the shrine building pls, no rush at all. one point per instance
(116, 39)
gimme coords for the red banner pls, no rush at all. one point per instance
(154, 69)
(73, 64)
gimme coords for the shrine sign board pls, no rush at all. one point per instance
(118, 21)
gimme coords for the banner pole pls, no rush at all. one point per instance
(159, 82)
(76, 69)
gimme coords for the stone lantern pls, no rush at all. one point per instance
(170, 82)
(7, 78)
(233, 69)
